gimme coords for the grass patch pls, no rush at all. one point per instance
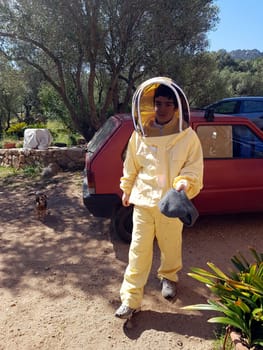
(18, 177)
(6, 172)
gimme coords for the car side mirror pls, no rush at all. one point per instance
(209, 114)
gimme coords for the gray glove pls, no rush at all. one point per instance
(175, 204)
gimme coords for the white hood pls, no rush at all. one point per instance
(143, 104)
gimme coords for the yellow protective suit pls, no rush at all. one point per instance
(153, 165)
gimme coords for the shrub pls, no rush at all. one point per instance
(16, 129)
(32, 170)
(239, 296)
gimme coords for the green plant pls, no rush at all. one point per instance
(61, 133)
(16, 129)
(239, 296)
(31, 171)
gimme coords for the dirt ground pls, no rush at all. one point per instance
(60, 279)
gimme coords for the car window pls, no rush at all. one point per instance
(227, 107)
(246, 144)
(216, 140)
(102, 134)
(229, 141)
(252, 106)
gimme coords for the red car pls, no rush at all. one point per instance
(233, 168)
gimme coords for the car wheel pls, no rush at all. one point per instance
(122, 223)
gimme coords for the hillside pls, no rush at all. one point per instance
(246, 54)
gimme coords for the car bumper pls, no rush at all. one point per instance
(100, 205)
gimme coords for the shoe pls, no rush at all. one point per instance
(125, 312)
(168, 288)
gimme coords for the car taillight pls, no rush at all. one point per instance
(91, 182)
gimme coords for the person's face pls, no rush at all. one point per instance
(164, 109)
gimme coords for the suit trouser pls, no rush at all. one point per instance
(149, 223)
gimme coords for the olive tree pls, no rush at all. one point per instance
(12, 94)
(94, 53)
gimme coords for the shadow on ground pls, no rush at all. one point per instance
(73, 250)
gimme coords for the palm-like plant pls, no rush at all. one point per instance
(239, 296)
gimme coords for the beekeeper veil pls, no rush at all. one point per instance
(143, 103)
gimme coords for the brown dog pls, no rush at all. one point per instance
(41, 205)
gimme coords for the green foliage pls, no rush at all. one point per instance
(6, 172)
(37, 126)
(12, 91)
(238, 296)
(31, 171)
(94, 56)
(52, 105)
(9, 174)
(61, 134)
(80, 68)
(16, 129)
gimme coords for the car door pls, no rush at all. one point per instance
(233, 166)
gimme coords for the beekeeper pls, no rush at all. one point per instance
(164, 152)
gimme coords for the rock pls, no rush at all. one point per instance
(51, 170)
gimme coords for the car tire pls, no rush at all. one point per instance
(122, 223)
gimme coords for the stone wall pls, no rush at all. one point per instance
(67, 158)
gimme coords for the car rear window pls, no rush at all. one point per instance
(103, 134)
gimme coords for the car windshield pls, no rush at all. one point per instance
(102, 134)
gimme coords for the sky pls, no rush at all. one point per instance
(240, 26)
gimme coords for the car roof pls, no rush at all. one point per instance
(240, 98)
(197, 116)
